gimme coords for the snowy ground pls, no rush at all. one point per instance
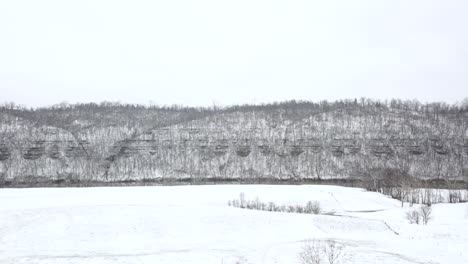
(193, 224)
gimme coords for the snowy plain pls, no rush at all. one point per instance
(194, 224)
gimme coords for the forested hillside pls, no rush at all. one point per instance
(292, 140)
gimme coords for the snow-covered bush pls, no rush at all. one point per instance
(241, 260)
(311, 252)
(413, 216)
(333, 252)
(427, 196)
(426, 213)
(421, 215)
(317, 252)
(312, 207)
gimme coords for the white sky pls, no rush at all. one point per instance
(225, 52)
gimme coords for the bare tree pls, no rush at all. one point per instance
(413, 216)
(242, 199)
(316, 252)
(313, 207)
(333, 252)
(311, 252)
(240, 260)
(426, 213)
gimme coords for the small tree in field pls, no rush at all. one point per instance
(333, 252)
(241, 260)
(242, 200)
(311, 252)
(413, 217)
(316, 252)
(313, 207)
(426, 213)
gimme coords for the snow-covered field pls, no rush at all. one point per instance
(193, 224)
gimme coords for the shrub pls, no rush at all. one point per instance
(311, 252)
(426, 213)
(423, 214)
(271, 207)
(241, 260)
(316, 252)
(333, 252)
(242, 200)
(413, 216)
(312, 207)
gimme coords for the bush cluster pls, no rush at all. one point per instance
(318, 252)
(421, 215)
(311, 207)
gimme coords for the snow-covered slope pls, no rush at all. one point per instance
(193, 224)
(287, 141)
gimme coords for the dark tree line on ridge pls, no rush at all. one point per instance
(363, 139)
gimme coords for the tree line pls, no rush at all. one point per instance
(346, 139)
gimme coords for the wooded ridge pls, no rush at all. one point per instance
(295, 140)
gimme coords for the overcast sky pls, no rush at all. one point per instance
(226, 52)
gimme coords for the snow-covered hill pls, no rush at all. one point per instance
(288, 141)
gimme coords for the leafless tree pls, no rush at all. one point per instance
(426, 213)
(316, 252)
(333, 252)
(311, 252)
(413, 216)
